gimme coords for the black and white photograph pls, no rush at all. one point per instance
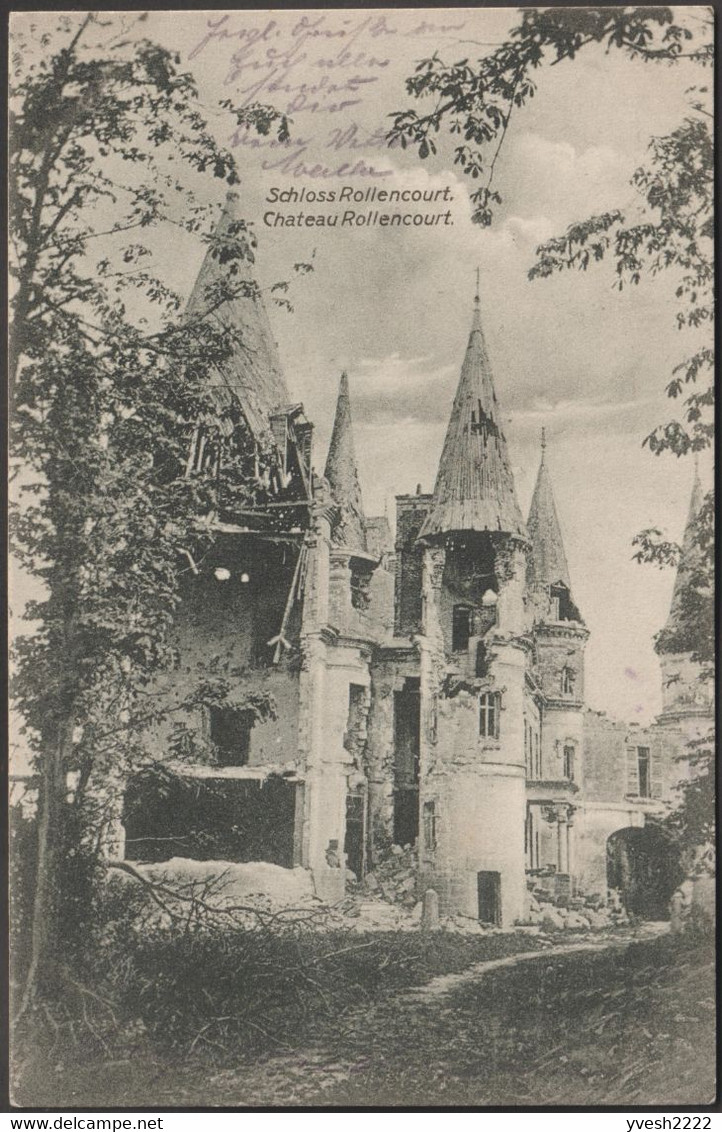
(361, 595)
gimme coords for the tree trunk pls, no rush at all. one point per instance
(45, 916)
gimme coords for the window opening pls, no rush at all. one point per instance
(567, 682)
(360, 589)
(562, 606)
(569, 763)
(460, 628)
(645, 785)
(489, 704)
(429, 825)
(231, 735)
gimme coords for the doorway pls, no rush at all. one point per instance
(489, 892)
(354, 842)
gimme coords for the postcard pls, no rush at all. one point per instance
(362, 558)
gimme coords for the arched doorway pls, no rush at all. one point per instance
(644, 867)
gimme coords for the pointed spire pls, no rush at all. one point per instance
(342, 475)
(689, 559)
(474, 487)
(252, 375)
(547, 562)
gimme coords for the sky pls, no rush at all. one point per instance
(393, 307)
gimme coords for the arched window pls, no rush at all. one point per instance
(567, 681)
(489, 706)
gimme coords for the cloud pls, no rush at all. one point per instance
(573, 183)
(396, 388)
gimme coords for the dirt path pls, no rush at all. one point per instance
(446, 984)
(315, 1075)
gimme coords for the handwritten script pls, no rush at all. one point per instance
(325, 71)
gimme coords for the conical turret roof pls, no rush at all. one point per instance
(342, 475)
(547, 562)
(690, 560)
(252, 375)
(474, 487)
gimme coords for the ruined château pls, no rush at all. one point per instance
(428, 687)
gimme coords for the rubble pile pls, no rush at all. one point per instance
(394, 879)
(575, 913)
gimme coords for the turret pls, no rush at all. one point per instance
(474, 488)
(352, 565)
(474, 514)
(256, 422)
(252, 375)
(548, 584)
(342, 475)
(560, 638)
(686, 693)
(473, 659)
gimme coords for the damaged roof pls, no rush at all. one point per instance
(252, 375)
(342, 475)
(474, 487)
(691, 558)
(547, 562)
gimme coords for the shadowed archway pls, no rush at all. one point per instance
(643, 865)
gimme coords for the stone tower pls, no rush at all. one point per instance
(342, 475)
(687, 704)
(339, 633)
(474, 655)
(560, 638)
(554, 708)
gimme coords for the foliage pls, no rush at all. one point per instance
(474, 101)
(675, 234)
(560, 1030)
(213, 989)
(108, 141)
(692, 628)
(692, 822)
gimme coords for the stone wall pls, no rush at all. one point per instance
(559, 648)
(411, 511)
(392, 668)
(610, 756)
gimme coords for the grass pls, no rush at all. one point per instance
(630, 1026)
(208, 999)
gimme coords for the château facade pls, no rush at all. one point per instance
(427, 687)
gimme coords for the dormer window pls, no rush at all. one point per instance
(460, 628)
(568, 679)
